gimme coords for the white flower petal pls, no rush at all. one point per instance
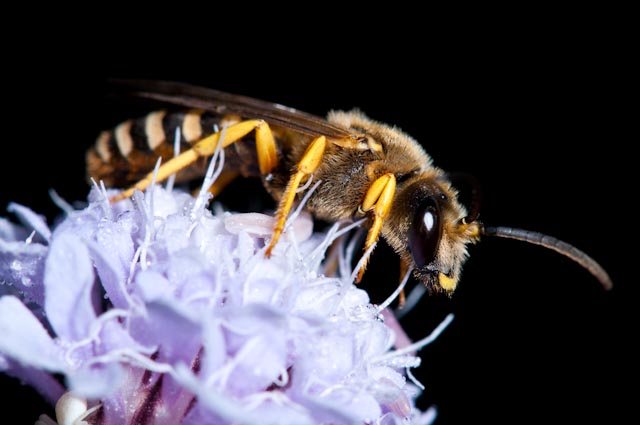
(12, 232)
(21, 270)
(25, 339)
(68, 281)
(111, 275)
(31, 220)
(224, 408)
(153, 286)
(342, 409)
(261, 225)
(318, 298)
(116, 243)
(96, 381)
(254, 224)
(257, 365)
(171, 328)
(214, 347)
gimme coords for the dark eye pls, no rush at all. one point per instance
(425, 232)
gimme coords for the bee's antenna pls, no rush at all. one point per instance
(555, 244)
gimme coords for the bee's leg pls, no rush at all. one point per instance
(307, 165)
(404, 268)
(332, 257)
(378, 199)
(223, 180)
(265, 144)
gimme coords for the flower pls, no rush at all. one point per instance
(158, 311)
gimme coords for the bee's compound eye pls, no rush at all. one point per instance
(425, 233)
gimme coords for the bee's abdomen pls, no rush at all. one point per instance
(127, 153)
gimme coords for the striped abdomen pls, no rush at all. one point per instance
(127, 153)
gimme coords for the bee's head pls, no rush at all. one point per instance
(430, 230)
(427, 227)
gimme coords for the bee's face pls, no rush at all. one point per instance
(425, 228)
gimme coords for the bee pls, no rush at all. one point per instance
(366, 169)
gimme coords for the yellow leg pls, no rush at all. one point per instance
(265, 145)
(307, 165)
(223, 180)
(379, 198)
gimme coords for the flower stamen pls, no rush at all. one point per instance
(176, 151)
(418, 345)
(395, 293)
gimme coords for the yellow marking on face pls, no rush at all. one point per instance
(191, 126)
(446, 282)
(102, 146)
(123, 138)
(154, 130)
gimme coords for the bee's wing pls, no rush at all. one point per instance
(225, 103)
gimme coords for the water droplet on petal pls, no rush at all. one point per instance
(16, 265)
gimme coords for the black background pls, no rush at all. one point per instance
(537, 115)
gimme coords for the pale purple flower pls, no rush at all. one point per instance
(158, 311)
